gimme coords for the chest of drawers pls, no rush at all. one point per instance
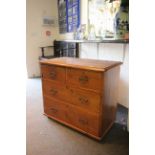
(81, 93)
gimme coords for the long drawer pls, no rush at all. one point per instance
(71, 114)
(84, 99)
(84, 120)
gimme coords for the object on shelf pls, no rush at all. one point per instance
(126, 36)
(91, 33)
(83, 31)
(122, 20)
(109, 17)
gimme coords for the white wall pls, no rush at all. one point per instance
(116, 52)
(35, 33)
(123, 97)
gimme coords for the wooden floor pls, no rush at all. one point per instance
(47, 137)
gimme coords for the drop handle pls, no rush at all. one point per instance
(54, 110)
(83, 79)
(83, 121)
(53, 91)
(53, 75)
(83, 100)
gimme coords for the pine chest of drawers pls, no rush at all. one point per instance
(81, 93)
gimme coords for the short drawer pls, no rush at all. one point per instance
(52, 72)
(54, 108)
(85, 79)
(87, 100)
(54, 90)
(82, 119)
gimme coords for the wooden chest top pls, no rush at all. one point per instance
(88, 64)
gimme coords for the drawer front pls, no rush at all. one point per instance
(85, 79)
(54, 90)
(69, 113)
(55, 109)
(86, 121)
(55, 73)
(85, 99)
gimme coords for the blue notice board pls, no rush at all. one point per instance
(73, 14)
(69, 15)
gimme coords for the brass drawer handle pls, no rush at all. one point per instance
(54, 110)
(53, 91)
(83, 121)
(83, 79)
(53, 75)
(83, 100)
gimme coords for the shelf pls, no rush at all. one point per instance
(121, 41)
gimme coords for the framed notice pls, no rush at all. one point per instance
(62, 16)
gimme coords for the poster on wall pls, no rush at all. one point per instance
(108, 18)
(69, 15)
(73, 15)
(62, 15)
